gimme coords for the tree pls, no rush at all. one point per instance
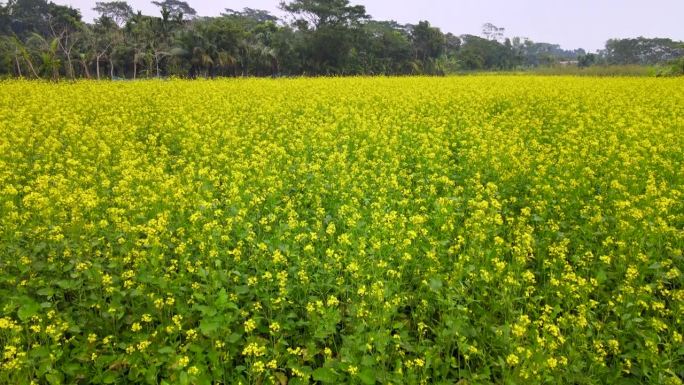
(492, 32)
(288, 45)
(176, 8)
(452, 44)
(139, 36)
(428, 41)
(532, 54)
(5, 20)
(587, 60)
(318, 13)
(331, 30)
(65, 23)
(386, 48)
(478, 53)
(256, 15)
(118, 11)
(159, 39)
(204, 49)
(101, 37)
(28, 16)
(642, 51)
(20, 53)
(48, 51)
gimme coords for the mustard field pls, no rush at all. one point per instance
(470, 230)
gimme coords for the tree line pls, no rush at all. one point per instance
(41, 39)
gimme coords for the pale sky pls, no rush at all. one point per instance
(570, 23)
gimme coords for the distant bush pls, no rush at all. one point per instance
(598, 70)
(674, 68)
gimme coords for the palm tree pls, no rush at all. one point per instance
(138, 29)
(50, 62)
(20, 52)
(258, 56)
(224, 59)
(85, 61)
(202, 59)
(138, 57)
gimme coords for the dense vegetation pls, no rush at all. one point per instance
(471, 230)
(321, 37)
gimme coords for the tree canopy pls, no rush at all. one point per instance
(118, 11)
(320, 13)
(39, 38)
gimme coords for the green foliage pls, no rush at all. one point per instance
(319, 37)
(118, 11)
(428, 42)
(587, 60)
(674, 68)
(478, 53)
(456, 230)
(642, 51)
(597, 70)
(320, 13)
(176, 9)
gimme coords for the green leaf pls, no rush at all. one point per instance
(54, 378)
(367, 376)
(221, 299)
(208, 311)
(233, 338)
(298, 381)
(65, 284)
(151, 375)
(435, 284)
(28, 310)
(166, 350)
(46, 291)
(199, 296)
(72, 369)
(109, 377)
(601, 275)
(324, 375)
(207, 326)
(368, 361)
(184, 379)
(281, 377)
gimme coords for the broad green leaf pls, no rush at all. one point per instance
(28, 310)
(326, 375)
(367, 376)
(54, 378)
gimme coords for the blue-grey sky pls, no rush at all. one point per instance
(572, 24)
